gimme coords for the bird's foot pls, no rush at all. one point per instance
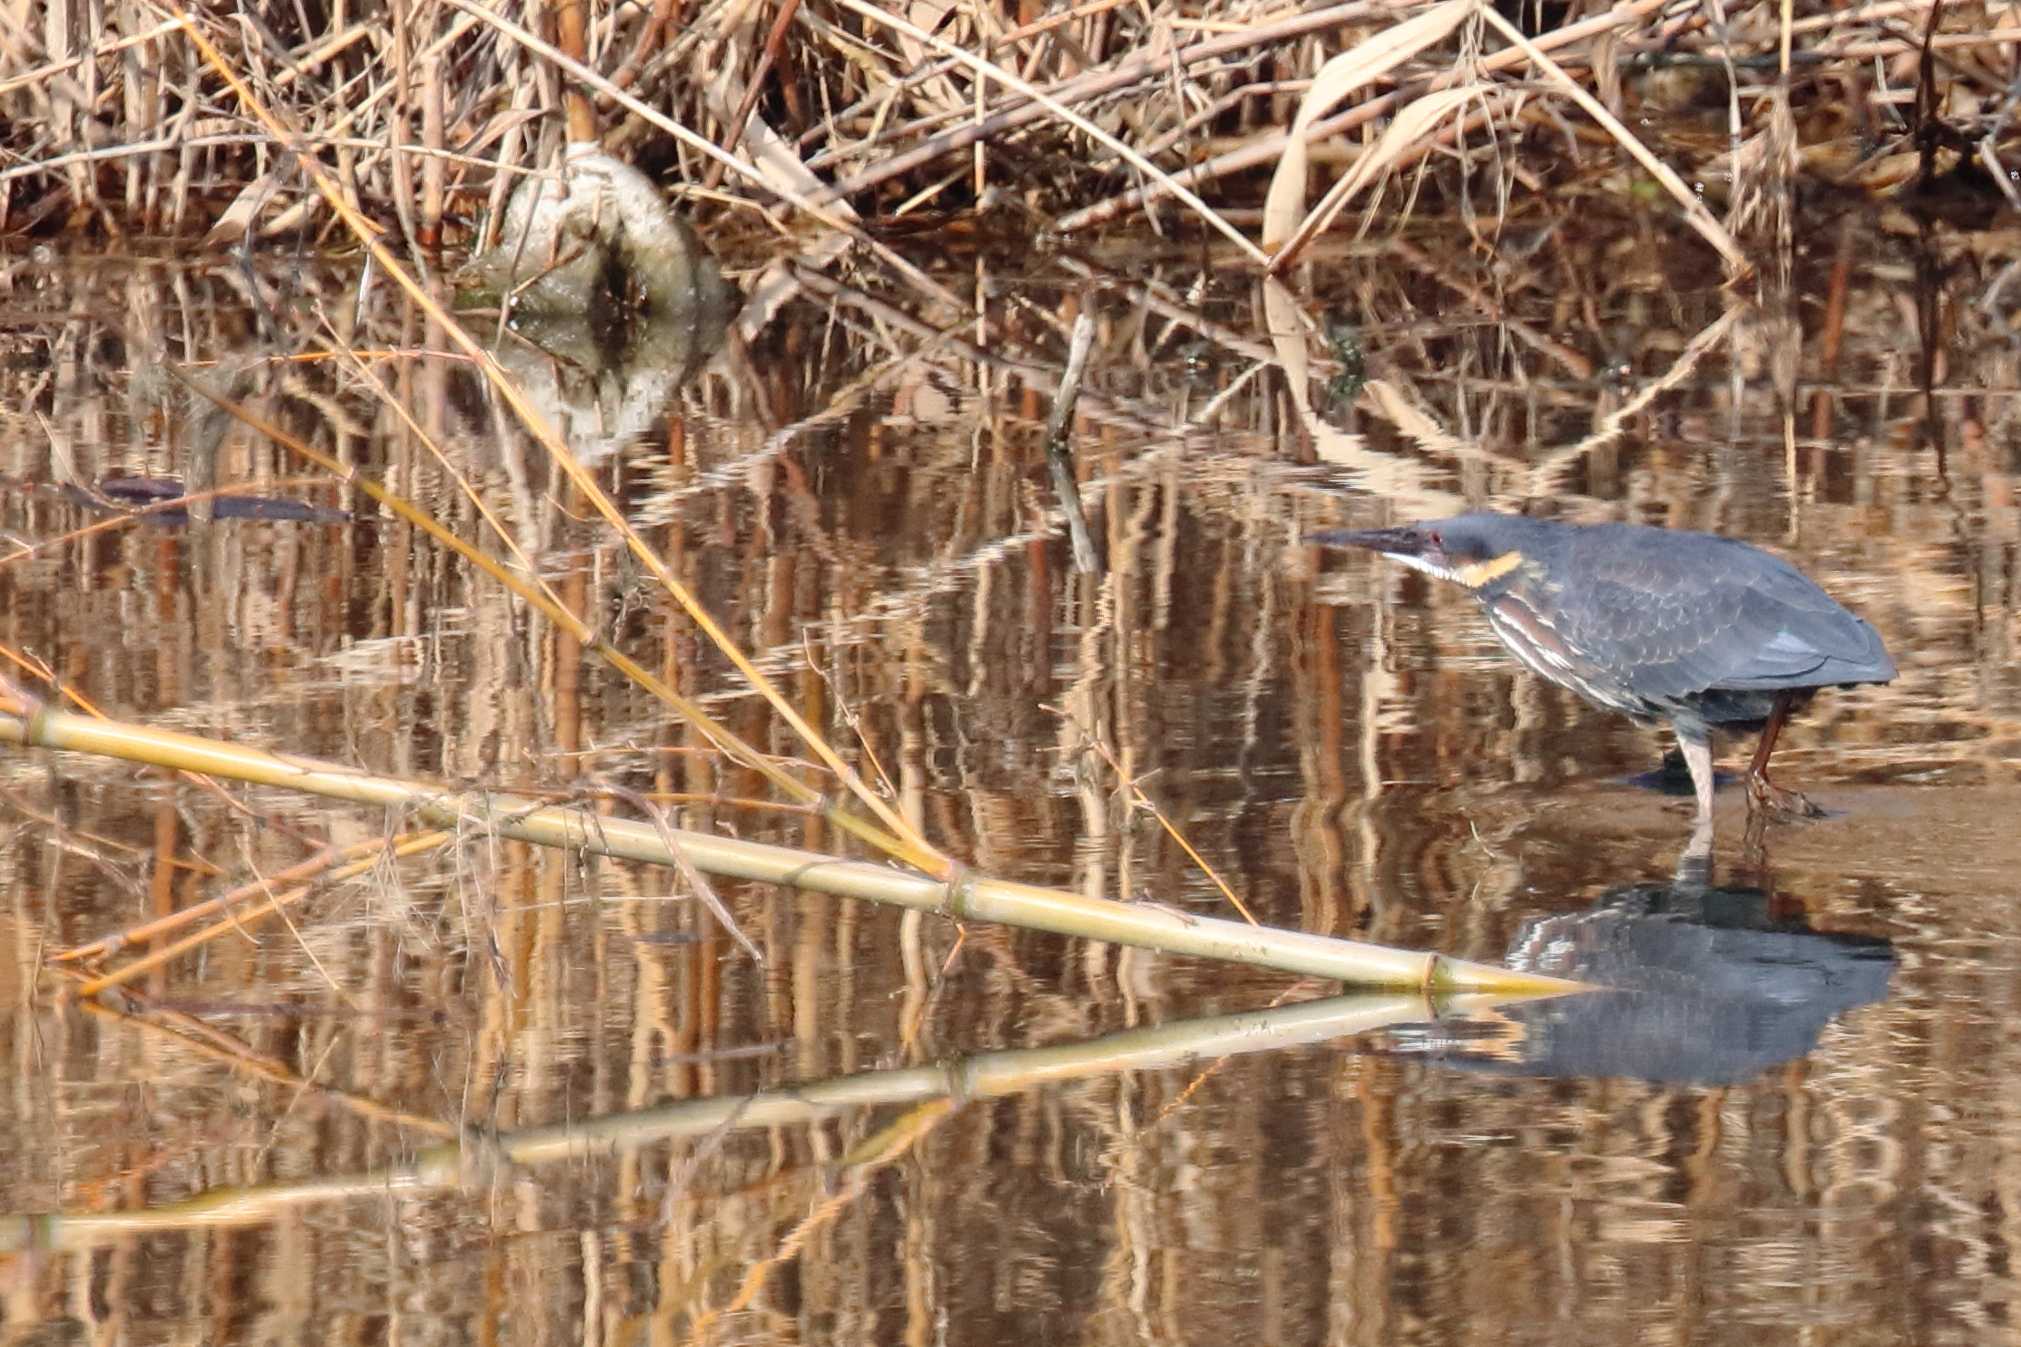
(1694, 866)
(1779, 801)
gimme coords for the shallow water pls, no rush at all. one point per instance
(1794, 1113)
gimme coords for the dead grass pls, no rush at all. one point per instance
(829, 112)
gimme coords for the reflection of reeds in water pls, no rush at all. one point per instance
(898, 531)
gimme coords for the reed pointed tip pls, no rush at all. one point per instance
(1464, 975)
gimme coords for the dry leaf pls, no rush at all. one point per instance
(1417, 120)
(1338, 78)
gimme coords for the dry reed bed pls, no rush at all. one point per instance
(426, 113)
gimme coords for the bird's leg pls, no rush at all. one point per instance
(1694, 866)
(1764, 793)
(1695, 743)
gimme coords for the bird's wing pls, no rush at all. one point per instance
(1682, 613)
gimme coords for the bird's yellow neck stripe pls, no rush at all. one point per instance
(1487, 572)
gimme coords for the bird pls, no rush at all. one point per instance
(1659, 624)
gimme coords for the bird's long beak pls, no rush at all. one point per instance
(1407, 545)
(1420, 550)
(1399, 543)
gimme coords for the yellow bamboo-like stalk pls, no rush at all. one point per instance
(965, 896)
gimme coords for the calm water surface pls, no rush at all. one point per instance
(1793, 1119)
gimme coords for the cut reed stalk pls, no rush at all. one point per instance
(964, 896)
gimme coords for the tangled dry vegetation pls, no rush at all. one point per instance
(137, 117)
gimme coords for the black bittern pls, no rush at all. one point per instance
(1656, 623)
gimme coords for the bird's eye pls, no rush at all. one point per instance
(1437, 541)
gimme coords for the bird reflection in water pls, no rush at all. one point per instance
(1704, 984)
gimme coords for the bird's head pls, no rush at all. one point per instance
(1483, 552)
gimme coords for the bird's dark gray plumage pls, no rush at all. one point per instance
(1659, 624)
